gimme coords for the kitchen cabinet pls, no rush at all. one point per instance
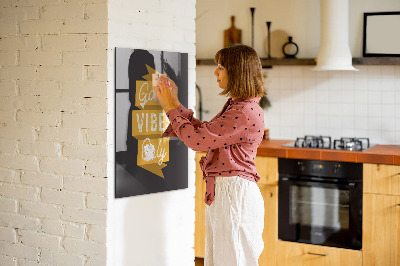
(200, 207)
(381, 179)
(298, 254)
(381, 230)
(270, 233)
(381, 215)
(267, 168)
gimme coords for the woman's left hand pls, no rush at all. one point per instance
(163, 91)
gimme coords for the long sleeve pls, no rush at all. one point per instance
(224, 130)
(186, 113)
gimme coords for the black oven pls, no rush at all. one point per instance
(320, 202)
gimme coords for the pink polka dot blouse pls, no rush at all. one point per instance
(231, 139)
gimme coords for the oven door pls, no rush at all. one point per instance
(321, 212)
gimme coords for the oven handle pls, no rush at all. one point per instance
(297, 181)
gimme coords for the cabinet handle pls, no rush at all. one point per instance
(398, 204)
(318, 254)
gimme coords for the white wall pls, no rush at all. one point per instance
(298, 18)
(155, 229)
(338, 104)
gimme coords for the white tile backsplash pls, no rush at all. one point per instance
(364, 103)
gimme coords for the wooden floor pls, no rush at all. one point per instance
(199, 262)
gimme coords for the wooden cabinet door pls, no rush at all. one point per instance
(200, 207)
(381, 179)
(381, 230)
(298, 254)
(270, 233)
(267, 168)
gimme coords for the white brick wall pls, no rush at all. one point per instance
(53, 110)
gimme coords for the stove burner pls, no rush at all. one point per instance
(351, 144)
(308, 141)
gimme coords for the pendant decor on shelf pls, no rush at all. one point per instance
(290, 49)
(269, 38)
(252, 9)
(145, 162)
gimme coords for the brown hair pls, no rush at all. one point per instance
(245, 78)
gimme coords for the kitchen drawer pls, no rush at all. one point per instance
(381, 179)
(298, 254)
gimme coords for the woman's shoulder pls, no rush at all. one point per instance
(249, 104)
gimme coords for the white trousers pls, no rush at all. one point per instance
(234, 223)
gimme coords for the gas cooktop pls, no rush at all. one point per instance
(325, 142)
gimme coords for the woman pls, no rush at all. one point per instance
(235, 207)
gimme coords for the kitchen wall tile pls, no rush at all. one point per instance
(388, 97)
(361, 97)
(397, 72)
(388, 84)
(285, 72)
(322, 83)
(374, 123)
(308, 72)
(397, 110)
(297, 72)
(322, 95)
(323, 102)
(387, 71)
(397, 124)
(375, 136)
(334, 109)
(348, 132)
(348, 96)
(388, 124)
(361, 123)
(374, 110)
(322, 109)
(374, 84)
(322, 74)
(360, 133)
(310, 95)
(388, 110)
(374, 97)
(335, 122)
(397, 96)
(361, 110)
(310, 109)
(397, 133)
(389, 136)
(347, 109)
(374, 70)
(297, 83)
(322, 121)
(347, 122)
(335, 95)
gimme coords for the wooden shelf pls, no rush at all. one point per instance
(312, 61)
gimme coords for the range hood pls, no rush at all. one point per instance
(334, 51)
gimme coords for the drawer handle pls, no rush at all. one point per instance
(318, 254)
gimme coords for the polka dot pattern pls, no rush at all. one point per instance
(231, 138)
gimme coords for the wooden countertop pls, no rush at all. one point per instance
(379, 154)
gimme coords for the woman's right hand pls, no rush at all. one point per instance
(174, 90)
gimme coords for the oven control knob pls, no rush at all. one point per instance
(302, 167)
(336, 169)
